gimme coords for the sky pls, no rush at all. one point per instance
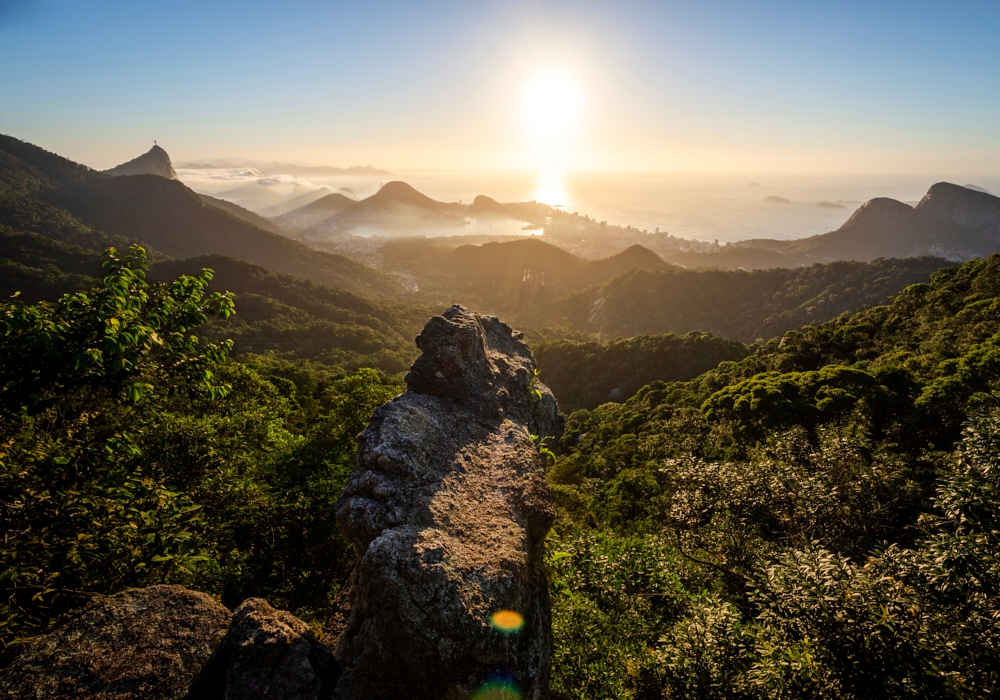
(660, 87)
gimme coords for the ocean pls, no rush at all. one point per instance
(726, 209)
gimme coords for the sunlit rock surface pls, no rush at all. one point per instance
(449, 509)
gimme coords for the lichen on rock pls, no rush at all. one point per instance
(448, 507)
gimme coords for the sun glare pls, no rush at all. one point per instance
(551, 111)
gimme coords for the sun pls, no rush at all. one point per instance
(551, 110)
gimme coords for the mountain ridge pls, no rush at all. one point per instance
(55, 197)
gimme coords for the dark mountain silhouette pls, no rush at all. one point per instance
(46, 194)
(155, 161)
(398, 204)
(313, 213)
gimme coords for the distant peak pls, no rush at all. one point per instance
(951, 190)
(155, 161)
(881, 211)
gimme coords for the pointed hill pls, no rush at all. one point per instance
(155, 161)
(310, 214)
(397, 204)
(52, 196)
(300, 197)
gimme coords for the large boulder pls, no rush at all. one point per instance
(144, 643)
(449, 509)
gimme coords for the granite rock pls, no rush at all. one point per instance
(449, 508)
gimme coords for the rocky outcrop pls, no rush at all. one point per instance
(169, 643)
(449, 508)
(267, 653)
(155, 161)
(144, 643)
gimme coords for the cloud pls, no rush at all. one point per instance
(232, 174)
(283, 180)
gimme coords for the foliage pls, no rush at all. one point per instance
(132, 454)
(829, 541)
(80, 512)
(585, 375)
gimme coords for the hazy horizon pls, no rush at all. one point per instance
(721, 88)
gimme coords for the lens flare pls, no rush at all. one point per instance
(507, 621)
(497, 690)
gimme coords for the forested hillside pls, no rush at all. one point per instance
(815, 520)
(534, 284)
(585, 375)
(812, 519)
(741, 305)
(45, 194)
(295, 318)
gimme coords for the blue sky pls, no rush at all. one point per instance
(876, 87)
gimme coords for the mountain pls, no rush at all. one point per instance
(738, 305)
(396, 204)
(300, 197)
(542, 263)
(252, 195)
(155, 161)
(241, 213)
(274, 311)
(310, 214)
(814, 491)
(494, 272)
(536, 284)
(952, 222)
(43, 193)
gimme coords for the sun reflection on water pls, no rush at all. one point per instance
(550, 188)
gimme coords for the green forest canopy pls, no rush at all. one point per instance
(815, 517)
